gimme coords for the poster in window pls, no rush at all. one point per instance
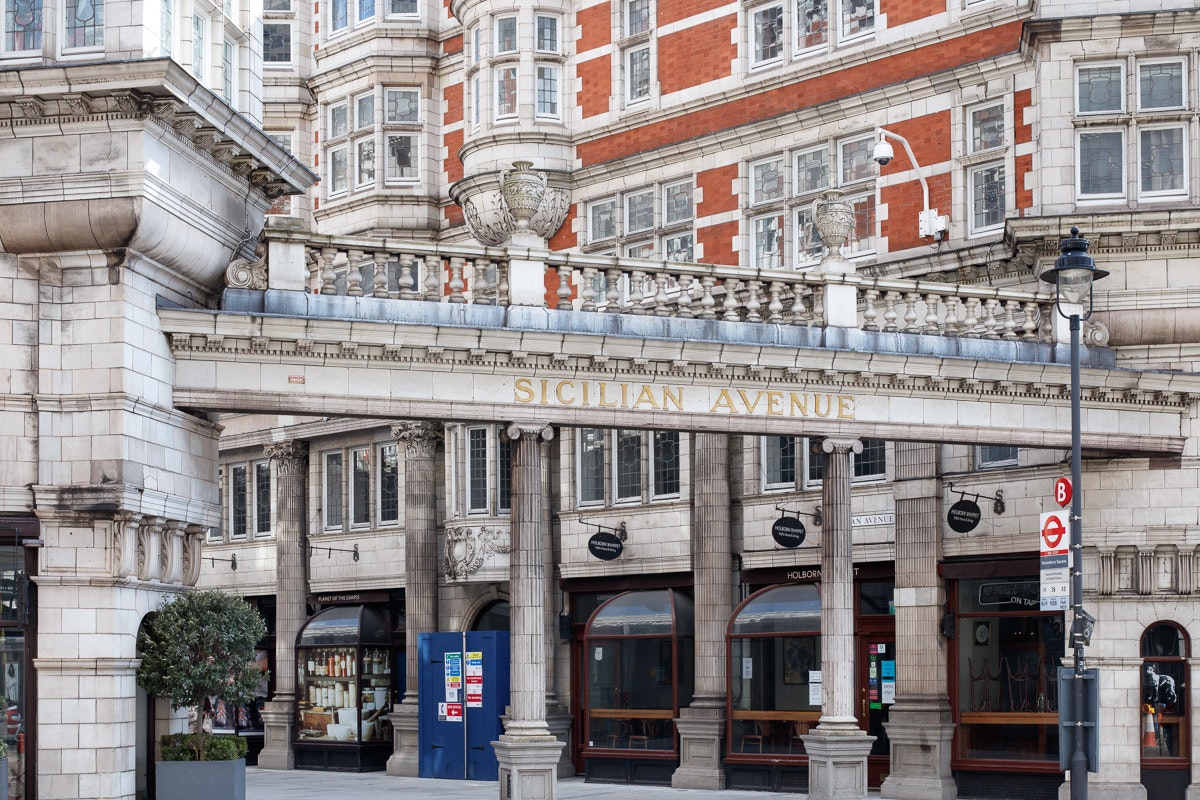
(797, 660)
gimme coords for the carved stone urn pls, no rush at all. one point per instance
(834, 218)
(523, 190)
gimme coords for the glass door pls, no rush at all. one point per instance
(877, 692)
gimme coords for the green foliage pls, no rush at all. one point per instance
(202, 747)
(3, 747)
(201, 644)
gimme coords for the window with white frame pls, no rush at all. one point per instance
(626, 466)
(780, 33)
(506, 92)
(547, 91)
(1105, 92)
(869, 465)
(360, 487)
(355, 132)
(402, 8)
(217, 533)
(229, 72)
(22, 27)
(649, 222)
(779, 223)
(346, 14)
(402, 134)
(547, 34)
(84, 24)
(779, 462)
(506, 35)
(636, 45)
(239, 501)
(166, 27)
(332, 506)
(993, 456)
(986, 187)
(388, 490)
(277, 43)
(487, 472)
(199, 45)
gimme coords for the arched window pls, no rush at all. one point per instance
(1164, 695)
(639, 648)
(774, 671)
(493, 618)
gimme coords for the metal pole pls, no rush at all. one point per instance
(1079, 774)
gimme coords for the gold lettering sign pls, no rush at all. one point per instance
(668, 397)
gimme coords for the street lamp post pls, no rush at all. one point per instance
(1072, 275)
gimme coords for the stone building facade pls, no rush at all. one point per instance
(146, 146)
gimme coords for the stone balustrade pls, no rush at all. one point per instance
(465, 273)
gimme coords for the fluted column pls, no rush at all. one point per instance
(527, 751)
(291, 595)
(837, 587)
(919, 724)
(837, 748)
(702, 723)
(420, 441)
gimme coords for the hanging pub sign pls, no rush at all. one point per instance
(964, 516)
(788, 532)
(605, 546)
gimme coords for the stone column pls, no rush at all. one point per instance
(291, 598)
(420, 441)
(837, 748)
(527, 751)
(702, 724)
(558, 716)
(920, 725)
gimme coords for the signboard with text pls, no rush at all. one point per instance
(1055, 539)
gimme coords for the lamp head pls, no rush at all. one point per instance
(1074, 271)
(883, 153)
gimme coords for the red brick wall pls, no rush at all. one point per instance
(716, 188)
(595, 81)
(1022, 132)
(802, 94)
(453, 95)
(565, 239)
(453, 141)
(595, 27)
(718, 243)
(1024, 166)
(904, 206)
(929, 137)
(453, 215)
(902, 11)
(452, 45)
(696, 55)
(674, 10)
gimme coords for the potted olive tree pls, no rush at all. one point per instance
(197, 646)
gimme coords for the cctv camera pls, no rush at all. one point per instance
(883, 154)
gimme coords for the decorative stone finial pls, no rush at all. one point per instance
(834, 218)
(523, 190)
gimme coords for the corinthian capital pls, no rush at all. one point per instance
(290, 457)
(420, 439)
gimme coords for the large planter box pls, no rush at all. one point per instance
(201, 780)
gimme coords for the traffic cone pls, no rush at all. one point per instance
(1148, 738)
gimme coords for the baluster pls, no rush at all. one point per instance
(501, 282)
(587, 290)
(406, 277)
(731, 301)
(910, 311)
(775, 306)
(1010, 319)
(889, 311)
(990, 323)
(328, 278)
(637, 283)
(1030, 325)
(313, 259)
(564, 287)
(683, 308)
(952, 321)
(931, 313)
(433, 278)
(662, 303)
(456, 280)
(972, 320)
(799, 313)
(613, 295)
(477, 284)
(380, 280)
(707, 301)
(354, 273)
(869, 311)
(753, 303)
(818, 311)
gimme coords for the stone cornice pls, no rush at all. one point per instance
(157, 89)
(905, 374)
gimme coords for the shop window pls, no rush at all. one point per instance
(1006, 665)
(774, 671)
(639, 650)
(1165, 730)
(15, 622)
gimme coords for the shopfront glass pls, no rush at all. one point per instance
(1007, 656)
(774, 671)
(1164, 696)
(639, 648)
(14, 619)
